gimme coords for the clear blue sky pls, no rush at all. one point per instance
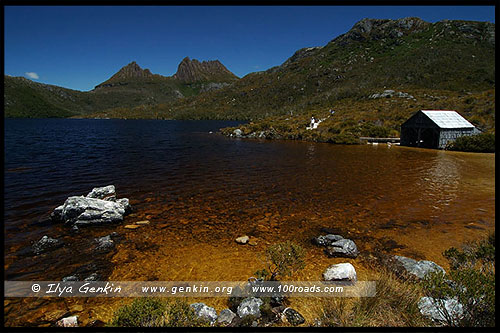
(79, 47)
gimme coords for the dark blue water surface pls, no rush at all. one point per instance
(189, 167)
(46, 160)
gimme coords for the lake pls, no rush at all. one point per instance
(201, 190)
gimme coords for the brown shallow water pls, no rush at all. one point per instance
(406, 201)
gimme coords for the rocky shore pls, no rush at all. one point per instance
(101, 207)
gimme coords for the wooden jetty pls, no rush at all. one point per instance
(379, 140)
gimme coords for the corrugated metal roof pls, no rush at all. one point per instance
(447, 119)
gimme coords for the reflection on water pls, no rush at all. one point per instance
(441, 181)
(200, 191)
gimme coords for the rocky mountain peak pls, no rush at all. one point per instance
(377, 29)
(132, 70)
(129, 72)
(190, 71)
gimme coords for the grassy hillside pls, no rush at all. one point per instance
(448, 64)
(380, 117)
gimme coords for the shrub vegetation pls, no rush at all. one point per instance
(480, 143)
(471, 281)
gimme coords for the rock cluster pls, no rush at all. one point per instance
(100, 206)
(391, 93)
(46, 244)
(337, 246)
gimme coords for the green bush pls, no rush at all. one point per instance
(480, 143)
(153, 312)
(142, 312)
(471, 281)
(180, 314)
(282, 260)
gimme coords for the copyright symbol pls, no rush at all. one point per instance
(35, 288)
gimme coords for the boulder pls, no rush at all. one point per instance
(226, 316)
(418, 268)
(293, 317)
(205, 312)
(441, 310)
(342, 248)
(68, 322)
(250, 307)
(340, 272)
(46, 244)
(337, 246)
(98, 207)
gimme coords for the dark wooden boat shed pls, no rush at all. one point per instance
(434, 129)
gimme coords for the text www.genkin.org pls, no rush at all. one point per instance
(254, 288)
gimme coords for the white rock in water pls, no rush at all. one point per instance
(98, 207)
(242, 240)
(340, 272)
(87, 211)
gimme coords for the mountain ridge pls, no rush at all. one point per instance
(407, 54)
(130, 86)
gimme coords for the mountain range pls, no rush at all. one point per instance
(131, 86)
(447, 64)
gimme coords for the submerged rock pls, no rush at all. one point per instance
(92, 277)
(98, 207)
(250, 307)
(340, 272)
(326, 240)
(342, 248)
(418, 268)
(441, 310)
(337, 246)
(242, 240)
(205, 312)
(46, 244)
(104, 243)
(70, 278)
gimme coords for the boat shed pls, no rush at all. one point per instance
(434, 129)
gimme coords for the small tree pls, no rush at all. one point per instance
(282, 259)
